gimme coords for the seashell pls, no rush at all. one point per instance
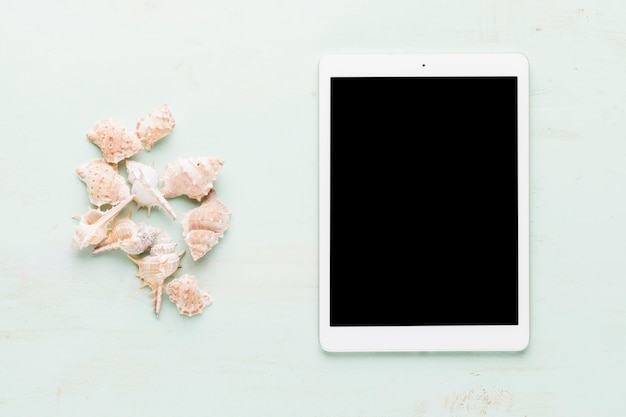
(204, 225)
(114, 140)
(192, 177)
(92, 228)
(128, 236)
(144, 180)
(155, 268)
(154, 126)
(188, 297)
(104, 184)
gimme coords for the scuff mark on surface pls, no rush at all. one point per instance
(479, 401)
(422, 409)
(58, 396)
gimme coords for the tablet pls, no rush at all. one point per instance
(424, 202)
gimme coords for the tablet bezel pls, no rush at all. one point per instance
(424, 338)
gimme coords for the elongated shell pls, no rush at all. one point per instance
(155, 268)
(104, 184)
(129, 237)
(92, 228)
(188, 297)
(204, 225)
(144, 180)
(155, 125)
(114, 140)
(193, 177)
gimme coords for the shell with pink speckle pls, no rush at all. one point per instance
(193, 177)
(155, 126)
(104, 184)
(114, 139)
(188, 297)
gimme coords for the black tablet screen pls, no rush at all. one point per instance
(424, 200)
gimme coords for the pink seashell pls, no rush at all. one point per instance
(155, 268)
(104, 184)
(144, 180)
(204, 225)
(129, 237)
(92, 228)
(154, 126)
(192, 177)
(114, 140)
(188, 297)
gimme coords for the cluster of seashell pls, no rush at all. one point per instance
(153, 250)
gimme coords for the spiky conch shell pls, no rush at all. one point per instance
(114, 139)
(205, 225)
(193, 177)
(144, 180)
(155, 126)
(92, 228)
(162, 262)
(128, 236)
(188, 297)
(104, 184)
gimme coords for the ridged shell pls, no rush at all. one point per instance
(188, 297)
(155, 268)
(191, 176)
(155, 125)
(204, 225)
(144, 180)
(92, 228)
(128, 236)
(114, 139)
(104, 184)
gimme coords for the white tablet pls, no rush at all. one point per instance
(424, 202)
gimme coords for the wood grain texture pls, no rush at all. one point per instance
(77, 335)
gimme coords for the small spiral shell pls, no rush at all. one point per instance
(128, 236)
(155, 268)
(204, 225)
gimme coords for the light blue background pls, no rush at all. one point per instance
(77, 335)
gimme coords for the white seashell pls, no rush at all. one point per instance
(204, 225)
(144, 180)
(154, 126)
(188, 297)
(155, 268)
(192, 177)
(114, 140)
(104, 184)
(128, 236)
(92, 228)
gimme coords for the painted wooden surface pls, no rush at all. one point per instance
(77, 334)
